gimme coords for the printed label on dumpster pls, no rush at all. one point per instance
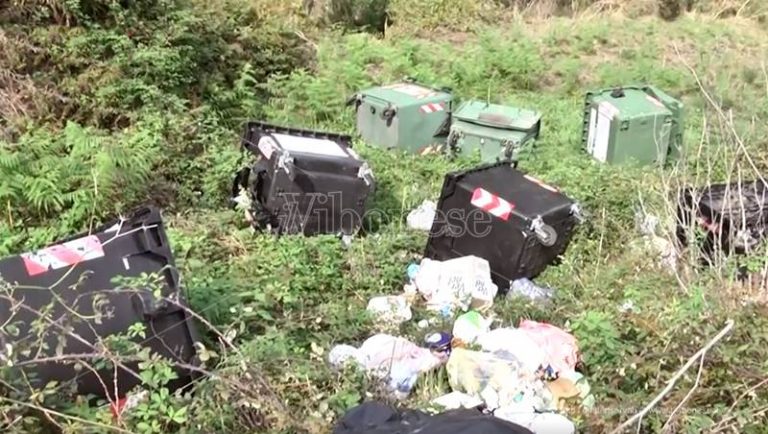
(431, 108)
(602, 134)
(412, 90)
(491, 203)
(63, 255)
(266, 146)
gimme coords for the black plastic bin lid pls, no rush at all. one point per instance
(72, 281)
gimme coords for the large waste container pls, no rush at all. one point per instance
(405, 115)
(497, 131)
(733, 217)
(517, 223)
(632, 124)
(56, 292)
(303, 181)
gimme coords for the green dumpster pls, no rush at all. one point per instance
(406, 115)
(639, 124)
(497, 131)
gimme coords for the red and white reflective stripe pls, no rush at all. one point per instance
(491, 203)
(547, 186)
(654, 101)
(126, 403)
(432, 107)
(63, 255)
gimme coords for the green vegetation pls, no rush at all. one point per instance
(108, 104)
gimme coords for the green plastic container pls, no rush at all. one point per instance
(497, 131)
(406, 115)
(633, 124)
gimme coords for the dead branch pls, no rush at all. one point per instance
(727, 120)
(671, 384)
(48, 411)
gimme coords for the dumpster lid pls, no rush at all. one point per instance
(632, 101)
(406, 93)
(497, 116)
(264, 138)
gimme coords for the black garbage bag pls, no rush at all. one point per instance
(377, 418)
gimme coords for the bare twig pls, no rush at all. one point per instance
(64, 416)
(719, 425)
(688, 395)
(638, 418)
(723, 116)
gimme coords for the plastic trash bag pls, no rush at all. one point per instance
(497, 378)
(456, 400)
(421, 217)
(516, 342)
(391, 309)
(538, 423)
(395, 360)
(560, 347)
(525, 288)
(469, 326)
(459, 283)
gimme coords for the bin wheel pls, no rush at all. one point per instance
(546, 235)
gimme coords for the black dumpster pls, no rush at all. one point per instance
(733, 216)
(303, 181)
(519, 224)
(73, 280)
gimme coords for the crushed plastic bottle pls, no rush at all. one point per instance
(525, 288)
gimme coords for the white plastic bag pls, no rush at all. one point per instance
(538, 423)
(458, 283)
(469, 326)
(395, 360)
(516, 342)
(456, 400)
(391, 309)
(421, 218)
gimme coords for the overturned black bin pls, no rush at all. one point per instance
(72, 280)
(517, 223)
(303, 181)
(733, 216)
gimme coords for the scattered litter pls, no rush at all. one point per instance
(469, 326)
(341, 354)
(456, 400)
(391, 309)
(439, 344)
(497, 377)
(393, 359)
(649, 226)
(570, 385)
(516, 342)
(458, 283)
(421, 218)
(412, 271)
(525, 288)
(423, 324)
(666, 251)
(561, 347)
(628, 306)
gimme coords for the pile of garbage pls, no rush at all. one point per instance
(524, 374)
